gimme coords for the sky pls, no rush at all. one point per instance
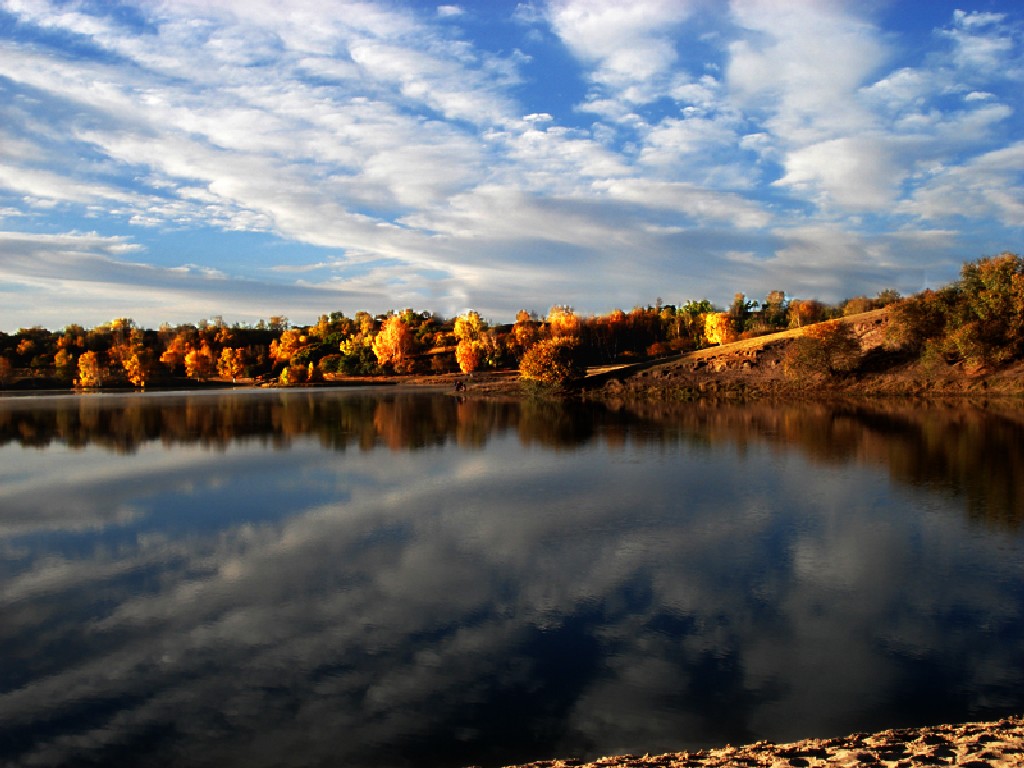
(173, 160)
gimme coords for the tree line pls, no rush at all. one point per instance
(978, 318)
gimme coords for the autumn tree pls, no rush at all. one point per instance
(693, 321)
(393, 345)
(609, 335)
(828, 348)
(64, 364)
(978, 320)
(470, 350)
(287, 346)
(199, 362)
(91, 371)
(986, 325)
(134, 357)
(177, 347)
(920, 319)
(231, 363)
(469, 325)
(805, 312)
(469, 355)
(720, 328)
(564, 323)
(524, 334)
(553, 362)
(357, 357)
(6, 372)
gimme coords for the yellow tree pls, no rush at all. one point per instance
(91, 372)
(136, 368)
(524, 333)
(469, 326)
(285, 348)
(720, 328)
(393, 345)
(469, 330)
(231, 363)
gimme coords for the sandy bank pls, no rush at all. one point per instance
(972, 745)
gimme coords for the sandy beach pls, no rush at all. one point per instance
(971, 745)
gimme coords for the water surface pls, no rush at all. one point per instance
(378, 578)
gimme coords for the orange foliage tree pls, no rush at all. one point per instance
(805, 312)
(564, 323)
(554, 362)
(524, 334)
(199, 363)
(286, 347)
(393, 345)
(231, 362)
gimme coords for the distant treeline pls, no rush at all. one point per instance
(975, 452)
(978, 319)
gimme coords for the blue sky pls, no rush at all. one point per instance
(173, 160)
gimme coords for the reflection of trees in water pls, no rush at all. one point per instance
(970, 450)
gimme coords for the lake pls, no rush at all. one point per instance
(381, 578)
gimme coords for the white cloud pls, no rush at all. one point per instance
(628, 45)
(801, 65)
(981, 44)
(391, 137)
(847, 173)
(694, 202)
(989, 186)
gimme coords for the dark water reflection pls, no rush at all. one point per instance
(384, 579)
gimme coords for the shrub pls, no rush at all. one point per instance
(554, 362)
(827, 349)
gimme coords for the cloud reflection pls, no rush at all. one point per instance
(438, 599)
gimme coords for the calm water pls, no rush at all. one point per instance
(382, 579)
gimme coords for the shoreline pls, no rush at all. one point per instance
(984, 744)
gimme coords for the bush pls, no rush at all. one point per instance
(827, 349)
(554, 362)
(329, 364)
